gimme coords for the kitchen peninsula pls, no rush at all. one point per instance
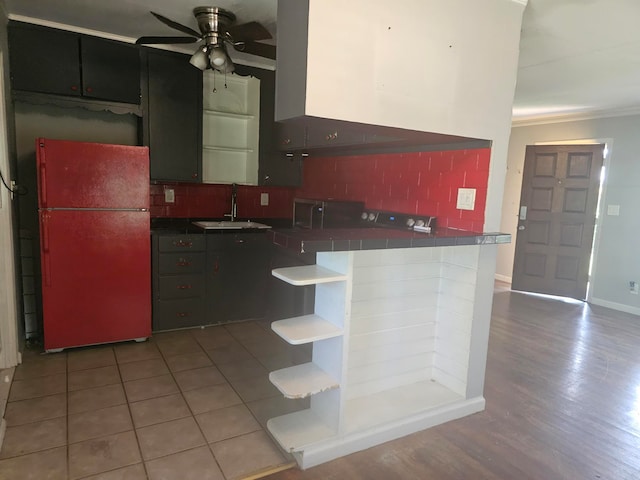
(398, 344)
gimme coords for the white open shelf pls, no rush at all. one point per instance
(301, 381)
(305, 329)
(296, 430)
(219, 148)
(396, 403)
(230, 129)
(222, 113)
(307, 275)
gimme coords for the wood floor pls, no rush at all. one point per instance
(563, 402)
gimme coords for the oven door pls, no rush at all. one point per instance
(307, 214)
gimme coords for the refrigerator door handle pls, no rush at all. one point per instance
(43, 185)
(44, 230)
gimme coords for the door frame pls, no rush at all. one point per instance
(606, 162)
(9, 346)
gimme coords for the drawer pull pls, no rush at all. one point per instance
(182, 243)
(182, 314)
(183, 263)
(183, 287)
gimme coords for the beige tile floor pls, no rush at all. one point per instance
(190, 404)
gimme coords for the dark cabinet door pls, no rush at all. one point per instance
(174, 117)
(44, 60)
(110, 70)
(237, 275)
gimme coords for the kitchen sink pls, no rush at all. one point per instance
(227, 225)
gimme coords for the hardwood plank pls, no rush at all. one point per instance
(563, 403)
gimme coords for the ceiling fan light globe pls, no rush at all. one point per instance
(218, 57)
(200, 59)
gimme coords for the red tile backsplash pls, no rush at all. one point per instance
(420, 182)
(214, 201)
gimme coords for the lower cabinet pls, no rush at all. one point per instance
(207, 279)
(178, 281)
(237, 275)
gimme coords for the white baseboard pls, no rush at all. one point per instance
(503, 278)
(621, 307)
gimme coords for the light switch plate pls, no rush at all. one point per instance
(466, 199)
(169, 195)
(264, 199)
(613, 210)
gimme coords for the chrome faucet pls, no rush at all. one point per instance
(234, 203)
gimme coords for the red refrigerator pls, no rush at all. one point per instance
(93, 205)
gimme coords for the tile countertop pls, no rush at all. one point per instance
(346, 239)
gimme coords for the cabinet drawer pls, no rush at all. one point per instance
(181, 263)
(181, 313)
(237, 241)
(181, 243)
(181, 286)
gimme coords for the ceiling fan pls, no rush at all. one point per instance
(217, 30)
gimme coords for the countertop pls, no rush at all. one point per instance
(347, 239)
(300, 240)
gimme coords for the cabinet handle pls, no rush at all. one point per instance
(183, 287)
(74, 88)
(183, 263)
(89, 89)
(181, 243)
(286, 141)
(194, 175)
(182, 314)
(239, 240)
(331, 136)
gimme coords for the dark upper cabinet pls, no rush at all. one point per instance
(110, 70)
(274, 167)
(173, 123)
(53, 61)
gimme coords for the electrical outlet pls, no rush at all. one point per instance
(634, 287)
(264, 199)
(169, 195)
(466, 199)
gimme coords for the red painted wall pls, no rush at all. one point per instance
(422, 183)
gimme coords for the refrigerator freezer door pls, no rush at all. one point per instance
(95, 276)
(91, 175)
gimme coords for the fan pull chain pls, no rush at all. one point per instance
(214, 82)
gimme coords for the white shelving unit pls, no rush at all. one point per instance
(230, 128)
(320, 378)
(393, 349)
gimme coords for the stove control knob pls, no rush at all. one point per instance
(420, 223)
(364, 215)
(372, 217)
(410, 222)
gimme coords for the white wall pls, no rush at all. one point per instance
(616, 262)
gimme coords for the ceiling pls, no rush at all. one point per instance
(577, 57)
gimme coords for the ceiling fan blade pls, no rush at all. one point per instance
(256, 48)
(176, 25)
(162, 40)
(250, 31)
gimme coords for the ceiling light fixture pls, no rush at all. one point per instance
(200, 59)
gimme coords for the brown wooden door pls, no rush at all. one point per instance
(557, 218)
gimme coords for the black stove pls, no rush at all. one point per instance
(400, 221)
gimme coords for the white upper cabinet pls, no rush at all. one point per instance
(230, 128)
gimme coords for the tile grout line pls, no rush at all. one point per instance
(133, 426)
(171, 372)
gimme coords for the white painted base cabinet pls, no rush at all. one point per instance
(392, 345)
